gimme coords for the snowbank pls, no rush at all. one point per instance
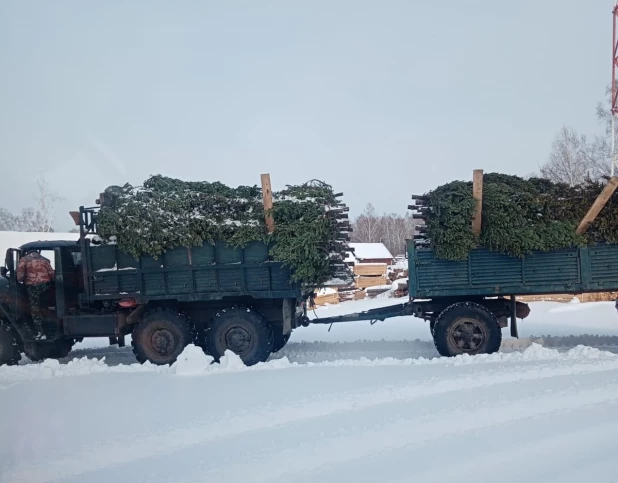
(193, 362)
(50, 368)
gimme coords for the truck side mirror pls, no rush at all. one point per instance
(3, 272)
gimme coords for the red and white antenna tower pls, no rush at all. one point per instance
(614, 109)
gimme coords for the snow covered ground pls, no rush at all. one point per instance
(319, 411)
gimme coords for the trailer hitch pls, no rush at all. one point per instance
(373, 315)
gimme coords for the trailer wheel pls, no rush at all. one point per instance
(466, 328)
(241, 330)
(279, 339)
(9, 349)
(39, 351)
(160, 336)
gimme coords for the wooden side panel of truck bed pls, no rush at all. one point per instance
(485, 273)
(208, 272)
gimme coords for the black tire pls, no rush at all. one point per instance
(466, 328)
(39, 351)
(9, 348)
(241, 330)
(279, 339)
(161, 336)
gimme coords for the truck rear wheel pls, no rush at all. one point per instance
(243, 331)
(39, 351)
(466, 328)
(9, 350)
(161, 336)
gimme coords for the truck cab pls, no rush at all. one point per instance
(62, 299)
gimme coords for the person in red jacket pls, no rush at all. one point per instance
(36, 273)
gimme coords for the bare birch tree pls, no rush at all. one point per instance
(391, 229)
(45, 206)
(39, 219)
(366, 225)
(24, 221)
(573, 159)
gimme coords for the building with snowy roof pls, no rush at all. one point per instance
(369, 253)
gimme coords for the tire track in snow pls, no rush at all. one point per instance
(411, 435)
(109, 454)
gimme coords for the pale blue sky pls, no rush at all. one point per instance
(380, 99)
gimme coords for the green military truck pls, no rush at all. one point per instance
(214, 296)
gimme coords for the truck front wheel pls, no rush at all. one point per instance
(466, 328)
(243, 331)
(9, 351)
(161, 336)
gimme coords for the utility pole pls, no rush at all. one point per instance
(614, 109)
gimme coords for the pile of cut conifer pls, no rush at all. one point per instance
(518, 216)
(307, 227)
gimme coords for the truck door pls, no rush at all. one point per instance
(66, 278)
(15, 298)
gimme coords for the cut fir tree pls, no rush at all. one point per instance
(519, 216)
(311, 230)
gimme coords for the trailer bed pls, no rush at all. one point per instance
(486, 273)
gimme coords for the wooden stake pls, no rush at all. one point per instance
(598, 205)
(267, 200)
(477, 192)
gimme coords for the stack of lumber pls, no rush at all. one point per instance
(348, 293)
(397, 273)
(598, 297)
(375, 291)
(583, 297)
(400, 287)
(370, 269)
(326, 296)
(370, 275)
